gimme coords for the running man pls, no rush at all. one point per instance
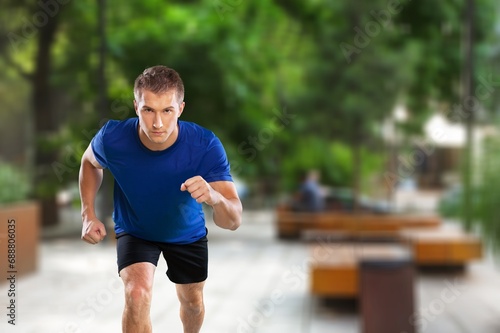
(164, 169)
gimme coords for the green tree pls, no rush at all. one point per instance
(360, 72)
(34, 35)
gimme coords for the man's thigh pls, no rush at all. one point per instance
(190, 292)
(138, 275)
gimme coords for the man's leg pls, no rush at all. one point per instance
(192, 307)
(138, 282)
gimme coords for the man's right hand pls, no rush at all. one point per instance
(93, 231)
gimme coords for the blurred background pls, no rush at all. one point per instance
(394, 104)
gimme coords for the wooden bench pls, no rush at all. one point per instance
(314, 235)
(291, 224)
(335, 266)
(443, 246)
(334, 270)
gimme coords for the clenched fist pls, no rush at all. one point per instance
(93, 231)
(201, 191)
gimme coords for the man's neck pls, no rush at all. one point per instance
(158, 146)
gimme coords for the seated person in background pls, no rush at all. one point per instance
(310, 197)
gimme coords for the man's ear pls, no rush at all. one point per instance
(135, 107)
(181, 108)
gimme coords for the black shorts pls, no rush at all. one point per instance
(187, 263)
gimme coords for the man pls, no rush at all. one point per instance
(310, 196)
(164, 169)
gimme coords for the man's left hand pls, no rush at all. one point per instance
(201, 191)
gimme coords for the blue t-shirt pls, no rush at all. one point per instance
(148, 202)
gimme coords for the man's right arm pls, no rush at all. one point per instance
(90, 179)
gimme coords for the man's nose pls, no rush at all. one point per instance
(157, 122)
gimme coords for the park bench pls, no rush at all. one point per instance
(291, 224)
(443, 246)
(335, 267)
(438, 246)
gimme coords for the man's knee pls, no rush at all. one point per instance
(137, 294)
(192, 300)
(138, 282)
(194, 306)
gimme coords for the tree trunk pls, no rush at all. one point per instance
(45, 123)
(468, 92)
(105, 205)
(356, 160)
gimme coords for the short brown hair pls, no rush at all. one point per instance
(159, 79)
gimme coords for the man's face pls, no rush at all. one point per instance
(158, 118)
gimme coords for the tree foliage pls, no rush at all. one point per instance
(287, 85)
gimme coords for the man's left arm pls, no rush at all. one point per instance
(221, 196)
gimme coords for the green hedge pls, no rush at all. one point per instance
(14, 184)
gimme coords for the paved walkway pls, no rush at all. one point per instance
(256, 284)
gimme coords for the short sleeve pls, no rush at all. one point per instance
(97, 145)
(215, 164)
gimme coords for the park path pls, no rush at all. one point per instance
(256, 284)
